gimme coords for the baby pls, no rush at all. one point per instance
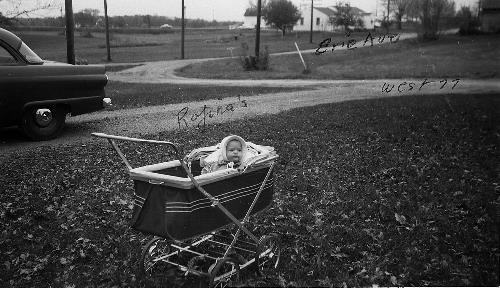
(230, 154)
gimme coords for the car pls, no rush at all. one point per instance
(36, 94)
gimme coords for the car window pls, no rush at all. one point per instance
(6, 58)
(30, 56)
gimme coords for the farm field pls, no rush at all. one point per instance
(157, 47)
(394, 192)
(452, 56)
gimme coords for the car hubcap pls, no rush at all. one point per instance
(43, 117)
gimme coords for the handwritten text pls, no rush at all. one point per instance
(406, 86)
(351, 43)
(198, 117)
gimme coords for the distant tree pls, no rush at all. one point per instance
(87, 17)
(360, 23)
(281, 14)
(431, 14)
(344, 16)
(400, 9)
(11, 10)
(469, 23)
(117, 21)
(4, 20)
(252, 7)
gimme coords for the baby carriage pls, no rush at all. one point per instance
(200, 220)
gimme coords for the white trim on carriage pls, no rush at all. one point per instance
(187, 208)
(226, 197)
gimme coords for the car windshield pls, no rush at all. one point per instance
(29, 55)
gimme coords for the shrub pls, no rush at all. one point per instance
(81, 61)
(249, 62)
(470, 26)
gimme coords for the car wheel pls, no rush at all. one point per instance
(43, 123)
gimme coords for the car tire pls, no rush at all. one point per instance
(44, 127)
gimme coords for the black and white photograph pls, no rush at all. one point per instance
(249, 143)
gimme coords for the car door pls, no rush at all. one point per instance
(7, 63)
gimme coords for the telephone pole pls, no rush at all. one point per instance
(107, 29)
(311, 32)
(70, 32)
(182, 31)
(257, 30)
(388, 15)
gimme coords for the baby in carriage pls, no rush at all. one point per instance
(232, 153)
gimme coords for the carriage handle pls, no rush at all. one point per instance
(111, 139)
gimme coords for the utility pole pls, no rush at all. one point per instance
(182, 31)
(70, 32)
(388, 15)
(107, 29)
(257, 30)
(62, 18)
(311, 32)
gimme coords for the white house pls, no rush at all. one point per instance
(321, 19)
(250, 20)
(322, 15)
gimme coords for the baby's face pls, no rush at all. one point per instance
(233, 151)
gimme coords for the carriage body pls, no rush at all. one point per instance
(167, 204)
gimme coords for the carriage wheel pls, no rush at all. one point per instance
(268, 253)
(149, 266)
(224, 273)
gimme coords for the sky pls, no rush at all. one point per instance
(220, 10)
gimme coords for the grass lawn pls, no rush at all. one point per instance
(395, 192)
(149, 47)
(450, 57)
(132, 95)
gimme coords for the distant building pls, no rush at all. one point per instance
(322, 15)
(490, 15)
(250, 20)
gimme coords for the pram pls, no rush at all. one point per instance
(200, 221)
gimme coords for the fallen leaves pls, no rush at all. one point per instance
(367, 192)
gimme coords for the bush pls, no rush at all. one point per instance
(249, 62)
(81, 61)
(86, 33)
(470, 26)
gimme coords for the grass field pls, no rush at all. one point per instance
(450, 57)
(148, 47)
(395, 192)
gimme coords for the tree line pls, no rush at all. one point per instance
(91, 18)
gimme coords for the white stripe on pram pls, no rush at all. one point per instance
(204, 207)
(169, 209)
(208, 201)
(204, 203)
(270, 180)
